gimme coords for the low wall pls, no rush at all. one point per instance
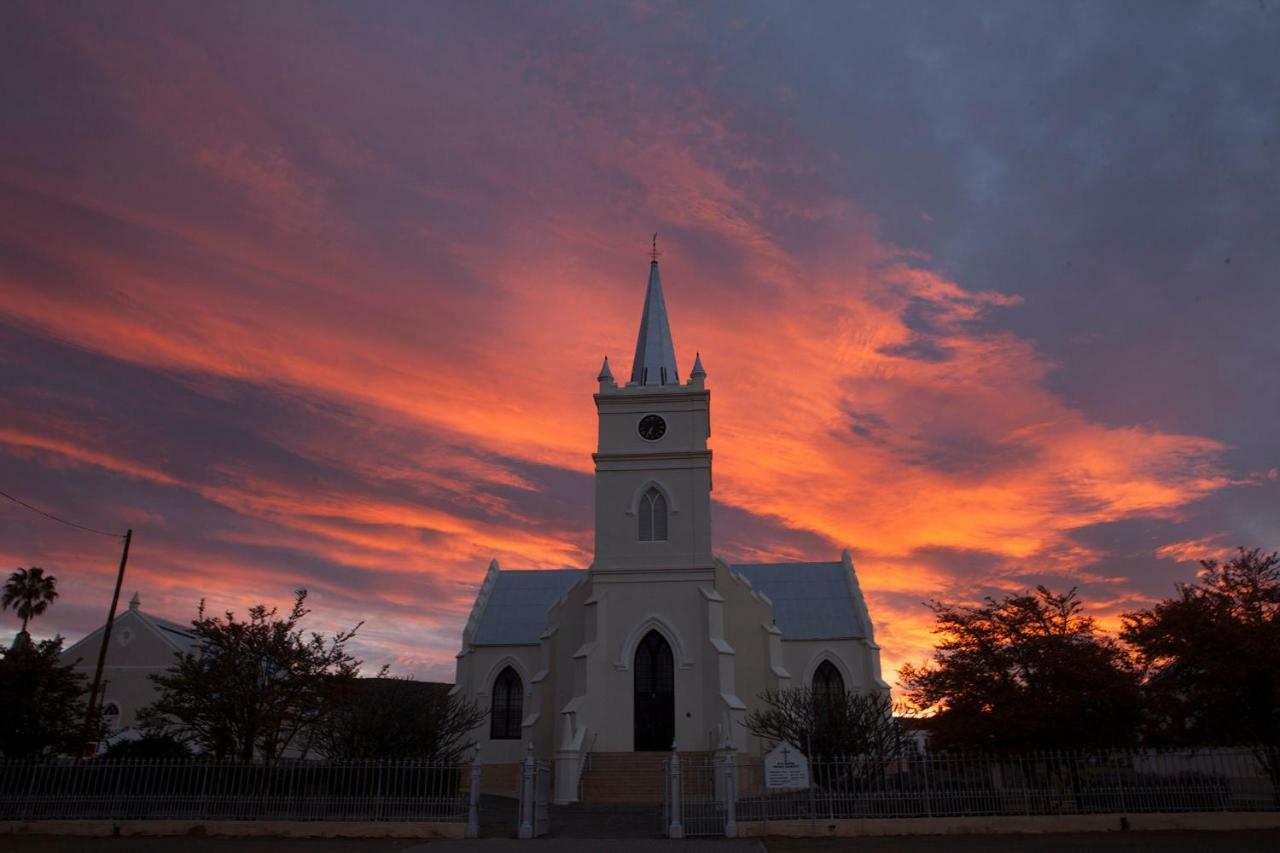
(1001, 824)
(268, 828)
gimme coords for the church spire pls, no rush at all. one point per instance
(655, 361)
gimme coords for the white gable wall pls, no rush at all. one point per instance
(137, 651)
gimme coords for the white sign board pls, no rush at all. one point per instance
(786, 767)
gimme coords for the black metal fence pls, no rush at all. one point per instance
(1043, 783)
(206, 790)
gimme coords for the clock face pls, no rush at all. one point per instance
(652, 427)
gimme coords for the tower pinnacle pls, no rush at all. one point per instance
(655, 361)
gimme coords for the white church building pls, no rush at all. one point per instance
(658, 643)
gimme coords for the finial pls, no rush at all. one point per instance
(606, 375)
(653, 252)
(135, 602)
(698, 372)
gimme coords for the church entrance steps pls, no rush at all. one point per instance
(629, 777)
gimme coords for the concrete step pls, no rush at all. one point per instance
(629, 777)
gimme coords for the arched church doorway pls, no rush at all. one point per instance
(655, 694)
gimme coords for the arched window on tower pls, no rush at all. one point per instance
(653, 516)
(828, 683)
(506, 708)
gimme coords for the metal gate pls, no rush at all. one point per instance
(699, 794)
(541, 798)
(702, 806)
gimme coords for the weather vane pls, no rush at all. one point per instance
(653, 253)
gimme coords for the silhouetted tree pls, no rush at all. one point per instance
(29, 592)
(855, 735)
(42, 702)
(1213, 655)
(150, 746)
(825, 723)
(397, 718)
(250, 688)
(1028, 671)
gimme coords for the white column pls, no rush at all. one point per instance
(473, 810)
(526, 796)
(676, 829)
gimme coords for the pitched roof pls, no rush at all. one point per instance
(180, 635)
(655, 361)
(811, 601)
(515, 612)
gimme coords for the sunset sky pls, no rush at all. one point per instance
(315, 294)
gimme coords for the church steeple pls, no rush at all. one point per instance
(655, 361)
(653, 466)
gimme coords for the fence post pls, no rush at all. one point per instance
(928, 801)
(675, 829)
(813, 816)
(526, 796)
(730, 797)
(473, 809)
(115, 789)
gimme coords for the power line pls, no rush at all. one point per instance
(60, 520)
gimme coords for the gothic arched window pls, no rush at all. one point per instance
(653, 516)
(506, 708)
(828, 683)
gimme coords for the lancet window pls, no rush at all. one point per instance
(653, 516)
(506, 708)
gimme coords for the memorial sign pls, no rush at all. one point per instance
(786, 767)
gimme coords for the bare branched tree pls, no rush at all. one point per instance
(398, 718)
(826, 723)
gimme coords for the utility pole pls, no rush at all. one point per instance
(106, 638)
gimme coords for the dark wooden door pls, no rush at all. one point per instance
(655, 701)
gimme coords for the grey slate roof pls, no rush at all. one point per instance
(181, 635)
(516, 612)
(811, 601)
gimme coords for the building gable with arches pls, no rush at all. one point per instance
(659, 642)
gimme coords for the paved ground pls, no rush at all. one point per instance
(1253, 841)
(1109, 842)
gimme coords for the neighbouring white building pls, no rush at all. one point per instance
(141, 645)
(658, 642)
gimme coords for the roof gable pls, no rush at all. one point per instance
(515, 611)
(811, 601)
(174, 637)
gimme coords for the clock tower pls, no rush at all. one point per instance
(653, 468)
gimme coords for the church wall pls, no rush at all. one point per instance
(569, 674)
(679, 464)
(482, 665)
(685, 488)
(628, 611)
(853, 658)
(746, 618)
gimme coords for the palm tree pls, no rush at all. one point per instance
(29, 592)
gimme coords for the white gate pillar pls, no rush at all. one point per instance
(526, 796)
(473, 809)
(676, 828)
